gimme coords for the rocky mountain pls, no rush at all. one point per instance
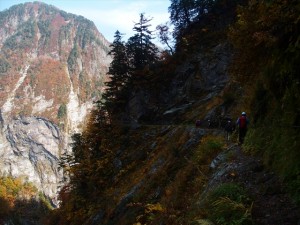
(52, 67)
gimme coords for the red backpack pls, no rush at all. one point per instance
(243, 122)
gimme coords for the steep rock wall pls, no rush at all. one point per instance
(200, 78)
(31, 149)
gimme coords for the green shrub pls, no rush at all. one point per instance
(4, 65)
(62, 111)
(228, 204)
(74, 54)
(209, 147)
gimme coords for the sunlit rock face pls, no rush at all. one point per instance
(53, 67)
(32, 149)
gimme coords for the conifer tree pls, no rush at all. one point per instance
(181, 14)
(164, 35)
(184, 12)
(118, 71)
(141, 50)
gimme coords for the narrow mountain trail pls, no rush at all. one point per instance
(271, 203)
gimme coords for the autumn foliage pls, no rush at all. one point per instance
(20, 201)
(265, 67)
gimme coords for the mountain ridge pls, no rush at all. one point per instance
(53, 66)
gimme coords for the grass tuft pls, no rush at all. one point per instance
(228, 204)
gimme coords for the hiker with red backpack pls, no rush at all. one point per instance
(242, 123)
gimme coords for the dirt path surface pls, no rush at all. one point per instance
(272, 205)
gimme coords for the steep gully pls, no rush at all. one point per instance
(7, 107)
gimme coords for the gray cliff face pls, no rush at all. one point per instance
(206, 73)
(196, 80)
(30, 149)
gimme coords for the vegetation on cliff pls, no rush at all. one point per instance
(125, 172)
(49, 40)
(106, 180)
(20, 202)
(265, 38)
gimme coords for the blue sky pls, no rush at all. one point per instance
(110, 15)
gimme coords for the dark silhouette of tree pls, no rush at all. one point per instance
(141, 50)
(89, 166)
(118, 72)
(184, 12)
(181, 14)
(164, 35)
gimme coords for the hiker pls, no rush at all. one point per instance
(229, 128)
(198, 123)
(242, 123)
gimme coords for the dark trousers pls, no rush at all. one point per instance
(242, 134)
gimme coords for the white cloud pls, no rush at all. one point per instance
(122, 15)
